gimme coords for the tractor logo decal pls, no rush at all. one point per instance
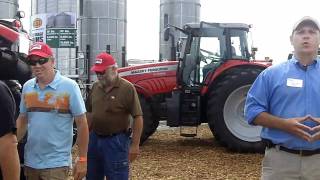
(158, 69)
(37, 23)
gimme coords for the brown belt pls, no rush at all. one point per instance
(269, 144)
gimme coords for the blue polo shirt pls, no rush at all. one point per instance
(287, 90)
(50, 113)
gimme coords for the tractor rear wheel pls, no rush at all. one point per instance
(225, 111)
(150, 119)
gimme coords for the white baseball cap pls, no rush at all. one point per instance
(306, 21)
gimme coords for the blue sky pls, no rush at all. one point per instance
(272, 22)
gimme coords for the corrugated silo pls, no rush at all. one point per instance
(102, 23)
(50, 21)
(53, 13)
(63, 20)
(8, 9)
(179, 12)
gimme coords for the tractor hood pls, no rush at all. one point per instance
(153, 78)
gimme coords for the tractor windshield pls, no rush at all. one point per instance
(239, 44)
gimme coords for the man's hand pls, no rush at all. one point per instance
(80, 170)
(295, 126)
(136, 134)
(315, 129)
(133, 152)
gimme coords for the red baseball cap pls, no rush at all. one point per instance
(103, 61)
(40, 49)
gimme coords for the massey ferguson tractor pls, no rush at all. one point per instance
(207, 84)
(14, 45)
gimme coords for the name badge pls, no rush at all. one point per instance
(294, 82)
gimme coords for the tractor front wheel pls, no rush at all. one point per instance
(150, 119)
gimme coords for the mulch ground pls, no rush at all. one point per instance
(167, 155)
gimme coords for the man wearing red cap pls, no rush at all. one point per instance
(49, 104)
(111, 103)
(285, 100)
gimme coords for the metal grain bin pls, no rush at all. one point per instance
(102, 23)
(51, 21)
(63, 20)
(8, 9)
(179, 13)
(65, 57)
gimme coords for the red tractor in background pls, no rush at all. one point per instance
(207, 84)
(14, 46)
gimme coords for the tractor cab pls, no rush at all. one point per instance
(207, 46)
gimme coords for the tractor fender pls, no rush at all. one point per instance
(8, 34)
(141, 90)
(221, 70)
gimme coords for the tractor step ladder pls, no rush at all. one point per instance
(186, 131)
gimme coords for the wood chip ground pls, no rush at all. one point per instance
(168, 156)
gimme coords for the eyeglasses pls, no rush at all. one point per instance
(39, 61)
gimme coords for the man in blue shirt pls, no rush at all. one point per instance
(49, 104)
(285, 100)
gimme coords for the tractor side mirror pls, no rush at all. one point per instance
(254, 49)
(166, 26)
(253, 52)
(20, 14)
(165, 20)
(166, 34)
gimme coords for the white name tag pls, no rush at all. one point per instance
(294, 82)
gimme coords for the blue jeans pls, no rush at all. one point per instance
(108, 156)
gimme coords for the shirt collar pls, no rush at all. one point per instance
(296, 62)
(54, 83)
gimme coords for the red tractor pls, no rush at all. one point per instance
(14, 45)
(207, 84)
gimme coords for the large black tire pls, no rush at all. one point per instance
(225, 111)
(150, 119)
(13, 66)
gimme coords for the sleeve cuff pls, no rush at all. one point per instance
(251, 116)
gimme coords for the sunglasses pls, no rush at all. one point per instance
(39, 61)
